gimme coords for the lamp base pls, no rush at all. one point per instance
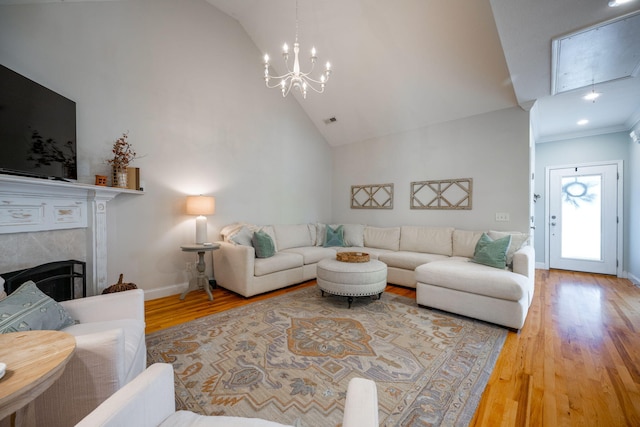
(201, 230)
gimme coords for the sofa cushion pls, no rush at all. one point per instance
(353, 234)
(313, 231)
(464, 242)
(263, 243)
(292, 236)
(382, 238)
(28, 308)
(518, 240)
(408, 260)
(334, 236)
(466, 276)
(430, 240)
(279, 262)
(492, 252)
(312, 254)
(242, 236)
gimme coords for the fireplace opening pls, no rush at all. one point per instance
(61, 280)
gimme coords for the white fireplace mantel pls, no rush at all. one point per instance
(31, 205)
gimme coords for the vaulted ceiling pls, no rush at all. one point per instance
(406, 64)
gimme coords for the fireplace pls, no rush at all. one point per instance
(35, 213)
(61, 280)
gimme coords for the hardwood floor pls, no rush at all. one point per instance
(576, 362)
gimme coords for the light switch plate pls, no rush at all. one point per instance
(502, 216)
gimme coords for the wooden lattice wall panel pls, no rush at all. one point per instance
(442, 194)
(373, 196)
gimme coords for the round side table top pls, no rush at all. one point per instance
(200, 248)
(34, 359)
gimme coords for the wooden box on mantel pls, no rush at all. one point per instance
(133, 178)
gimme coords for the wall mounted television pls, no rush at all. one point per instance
(37, 129)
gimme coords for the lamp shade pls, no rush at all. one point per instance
(201, 205)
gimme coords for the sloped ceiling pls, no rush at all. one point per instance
(409, 63)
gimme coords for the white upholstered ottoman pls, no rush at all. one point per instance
(352, 279)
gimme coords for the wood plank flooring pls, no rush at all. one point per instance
(576, 362)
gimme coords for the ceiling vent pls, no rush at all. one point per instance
(604, 52)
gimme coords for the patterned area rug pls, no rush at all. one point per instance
(289, 359)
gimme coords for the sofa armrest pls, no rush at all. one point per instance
(361, 406)
(524, 261)
(144, 402)
(234, 267)
(118, 305)
(95, 371)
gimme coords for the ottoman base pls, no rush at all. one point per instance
(350, 298)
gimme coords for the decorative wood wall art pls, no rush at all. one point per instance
(442, 194)
(373, 196)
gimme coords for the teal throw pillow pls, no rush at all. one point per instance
(28, 308)
(492, 252)
(263, 244)
(334, 236)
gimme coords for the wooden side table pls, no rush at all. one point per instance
(34, 359)
(201, 281)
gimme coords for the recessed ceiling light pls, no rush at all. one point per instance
(591, 96)
(616, 3)
(582, 122)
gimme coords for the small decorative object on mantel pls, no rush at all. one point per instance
(123, 154)
(119, 287)
(101, 180)
(352, 256)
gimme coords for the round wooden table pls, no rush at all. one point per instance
(34, 359)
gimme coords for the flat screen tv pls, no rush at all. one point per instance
(37, 129)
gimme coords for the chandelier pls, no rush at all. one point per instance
(295, 78)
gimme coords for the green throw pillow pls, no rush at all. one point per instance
(263, 244)
(492, 252)
(334, 236)
(28, 308)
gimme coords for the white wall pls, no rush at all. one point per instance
(186, 81)
(633, 267)
(598, 148)
(491, 148)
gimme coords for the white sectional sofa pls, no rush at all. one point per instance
(437, 261)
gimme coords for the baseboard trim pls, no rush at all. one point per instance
(634, 279)
(541, 266)
(165, 291)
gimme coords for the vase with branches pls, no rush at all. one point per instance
(123, 154)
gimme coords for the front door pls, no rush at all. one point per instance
(583, 216)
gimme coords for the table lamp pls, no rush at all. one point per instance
(201, 206)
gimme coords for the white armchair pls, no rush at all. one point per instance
(110, 352)
(149, 401)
